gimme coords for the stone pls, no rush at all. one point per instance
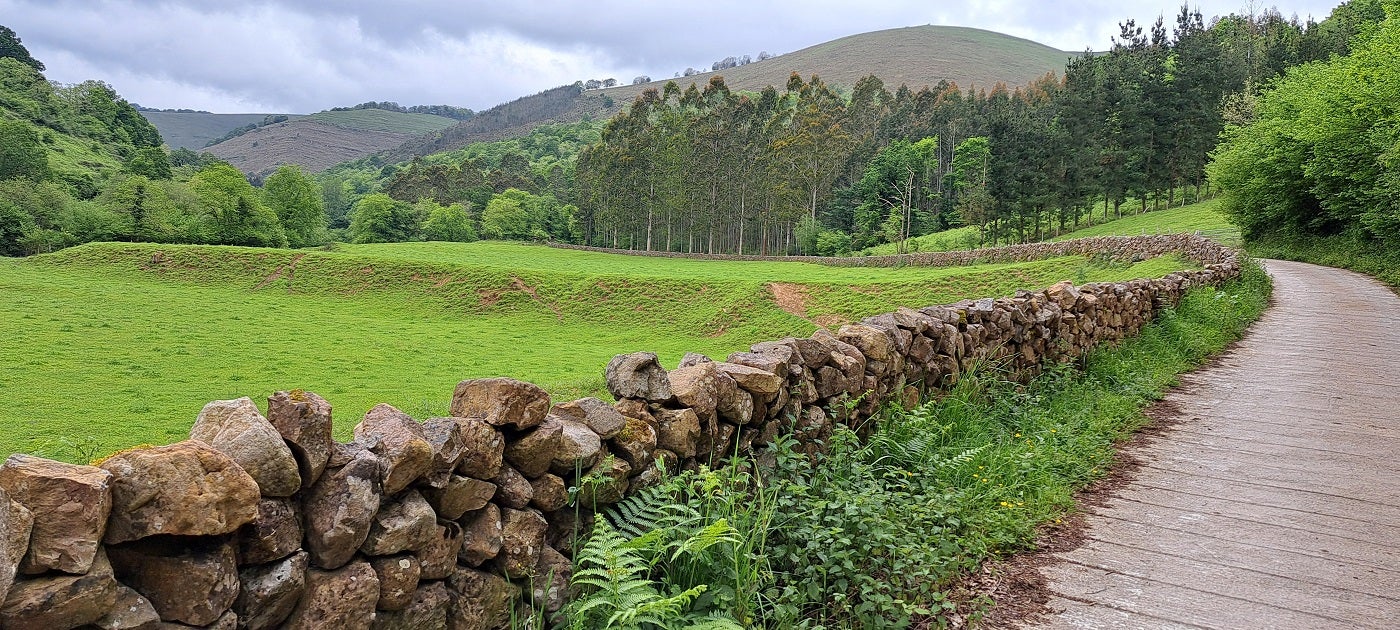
(426, 610)
(268, 593)
(533, 453)
(753, 379)
(635, 443)
(69, 504)
(459, 496)
(399, 442)
(694, 358)
(549, 493)
(483, 449)
(236, 428)
(16, 523)
(404, 523)
(696, 387)
(398, 579)
(830, 382)
(303, 419)
(604, 419)
(439, 556)
(189, 580)
(446, 436)
(339, 508)
(550, 587)
(513, 490)
(479, 601)
(343, 599)
(812, 351)
(605, 483)
(1063, 293)
(481, 536)
(130, 611)
(184, 489)
(731, 402)
(579, 448)
(679, 431)
(637, 375)
(61, 601)
(769, 363)
(501, 402)
(275, 534)
(874, 343)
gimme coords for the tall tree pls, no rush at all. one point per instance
(11, 47)
(296, 198)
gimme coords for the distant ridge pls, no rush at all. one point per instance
(915, 56)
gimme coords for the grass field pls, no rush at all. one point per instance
(194, 130)
(383, 120)
(1204, 217)
(107, 349)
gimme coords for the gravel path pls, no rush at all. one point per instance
(1274, 500)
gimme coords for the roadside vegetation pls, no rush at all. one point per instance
(878, 534)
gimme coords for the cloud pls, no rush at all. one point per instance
(304, 56)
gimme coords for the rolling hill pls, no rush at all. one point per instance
(194, 130)
(324, 139)
(916, 56)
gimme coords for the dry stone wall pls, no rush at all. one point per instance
(464, 521)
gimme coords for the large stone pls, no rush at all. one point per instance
(579, 448)
(755, 380)
(268, 593)
(236, 428)
(481, 536)
(185, 489)
(768, 363)
(637, 375)
(61, 601)
(189, 580)
(533, 452)
(679, 431)
(399, 442)
(427, 610)
(339, 508)
(479, 600)
(436, 560)
(635, 444)
(69, 504)
(275, 534)
(875, 343)
(459, 496)
(405, 523)
(483, 449)
(304, 421)
(131, 611)
(513, 490)
(696, 387)
(501, 402)
(603, 418)
(343, 599)
(549, 493)
(398, 579)
(15, 525)
(448, 442)
(1063, 293)
(550, 586)
(605, 483)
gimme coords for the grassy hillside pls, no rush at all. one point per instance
(194, 130)
(1205, 217)
(324, 139)
(383, 120)
(95, 365)
(917, 56)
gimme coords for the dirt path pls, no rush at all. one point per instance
(1273, 501)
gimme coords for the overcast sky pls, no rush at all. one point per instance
(309, 55)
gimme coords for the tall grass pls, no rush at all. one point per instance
(876, 533)
(1372, 258)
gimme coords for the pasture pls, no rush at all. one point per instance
(110, 344)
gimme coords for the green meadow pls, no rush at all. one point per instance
(110, 345)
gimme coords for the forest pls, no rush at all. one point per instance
(1305, 112)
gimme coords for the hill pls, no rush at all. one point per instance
(916, 56)
(324, 139)
(194, 130)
